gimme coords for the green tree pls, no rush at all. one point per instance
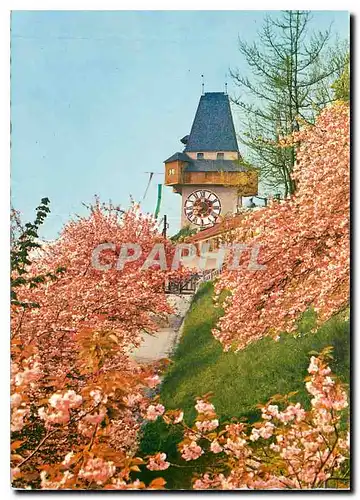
(341, 86)
(24, 240)
(291, 81)
(183, 233)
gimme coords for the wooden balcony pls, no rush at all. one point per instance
(246, 182)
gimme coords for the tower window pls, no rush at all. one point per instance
(200, 156)
(220, 156)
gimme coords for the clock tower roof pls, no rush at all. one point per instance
(213, 127)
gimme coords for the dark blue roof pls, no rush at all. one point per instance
(178, 156)
(207, 165)
(213, 127)
(215, 166)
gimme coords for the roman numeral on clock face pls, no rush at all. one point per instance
(202, 207)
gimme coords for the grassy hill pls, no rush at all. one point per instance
(240, 380)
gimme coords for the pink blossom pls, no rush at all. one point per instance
(98, 470)
(15, 472)
(203, 407)
(17, 419)
(58, 417)
(15, 399)
(46, 484)
(153, 381)
(309, 446)
(255, 434)
(56, 400)
(345, 443)
(154, 411)
(72, 399)
(85, 429)
(179, 418)
(266, 430)
(65, 401)
(68, 458)
(98, 397)
(207, 425)
(313, 367)
(274, 447)
(133, 399)
(328, 382)
(31, 372)
(235, 429)
(203, 484)
(191, 451)
(292, 412)
(311, 217)
(96, 417)
(270, 411)
(158, 462)
(236, 447)
(215, 447)
(200, 484)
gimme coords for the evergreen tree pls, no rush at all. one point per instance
(290, 83)
(341, 86)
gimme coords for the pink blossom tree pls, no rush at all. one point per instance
(304, 242)
(289, 448)
(78, 400)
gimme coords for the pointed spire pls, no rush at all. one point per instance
(213, 128)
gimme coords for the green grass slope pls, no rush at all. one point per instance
(239, 381)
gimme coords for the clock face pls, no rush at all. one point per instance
(202, 207)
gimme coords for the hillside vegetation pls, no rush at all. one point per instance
(238, 381)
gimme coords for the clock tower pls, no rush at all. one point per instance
(209, 173)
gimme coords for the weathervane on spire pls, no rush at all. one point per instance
(202, 85)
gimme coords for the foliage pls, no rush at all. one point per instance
(293, 448)
(24, 240)
(304, 242)
(200, 365)
(238, 381)
(77, 399)
(184, 233)
(291, 75)
(341, 86)
(289, 448)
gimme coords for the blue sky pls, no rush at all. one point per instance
(100, 98)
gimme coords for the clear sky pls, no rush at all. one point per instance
(100, 98)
